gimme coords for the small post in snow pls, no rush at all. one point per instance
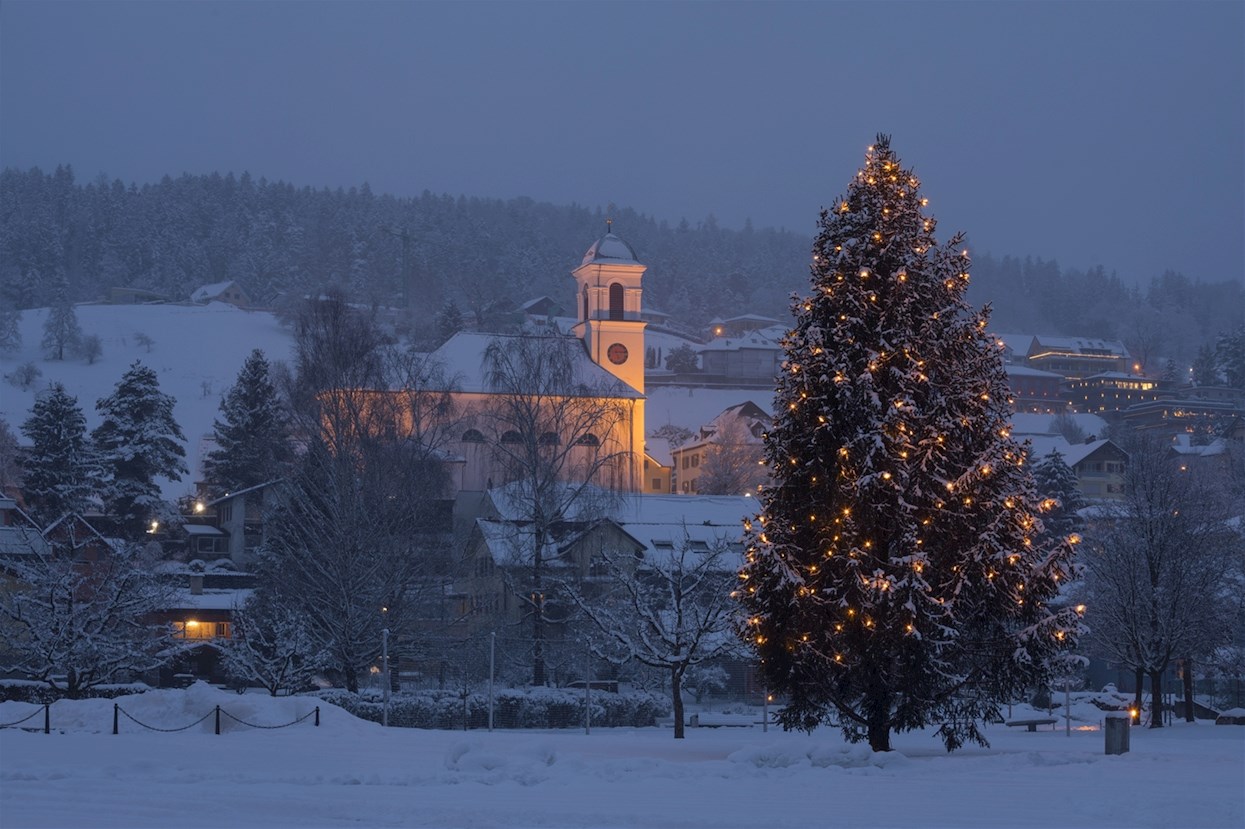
(492, 647)
(1067, 708)
(588, 691)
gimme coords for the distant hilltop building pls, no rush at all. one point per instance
(1077, 357)
(228, 292)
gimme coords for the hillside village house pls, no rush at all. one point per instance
(648, 528)
(1098, 464)
(229, 292)
(737, 431)
(752, 358)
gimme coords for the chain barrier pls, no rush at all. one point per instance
(306, 716)
(216, 711)
(152, 727)
(30, 716)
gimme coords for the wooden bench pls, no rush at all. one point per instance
(1033, 724)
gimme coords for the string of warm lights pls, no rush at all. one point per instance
(900, 499)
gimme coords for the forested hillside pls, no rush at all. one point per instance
(279, 241)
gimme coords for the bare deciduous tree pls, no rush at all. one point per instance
(732, 466)
(556, 434)
(671, 613)
(1156, 566)
(358, 538)
(76, 624)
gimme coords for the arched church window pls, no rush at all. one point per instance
(616, 301)
(585, 316)
(511, 437)
(473, 436)
(588, 439)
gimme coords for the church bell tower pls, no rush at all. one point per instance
(608, 300)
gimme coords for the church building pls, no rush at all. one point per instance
(602, 358)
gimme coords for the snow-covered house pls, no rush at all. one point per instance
(542, 308)
(203, 601)
(647, 528)
(19, 535)
(734, 440)
(229, 292)
(746, 359)
(1098, 464)
(231, 525)
(740, 325)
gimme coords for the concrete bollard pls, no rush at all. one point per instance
(1117, 728)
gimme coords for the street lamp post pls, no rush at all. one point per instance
(384, 660)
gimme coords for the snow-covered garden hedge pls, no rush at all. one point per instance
(512, 708)
(25, 690)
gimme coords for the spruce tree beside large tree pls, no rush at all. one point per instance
(895, 577)
(61, 468)
(137, 441)
(251, 435)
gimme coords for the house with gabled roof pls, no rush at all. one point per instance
(229, 292)
(649, 528)
(737, 435)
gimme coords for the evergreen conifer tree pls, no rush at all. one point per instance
(1057, 485)
(449, 321)
(251, 434)
(61, 469)
(894, 578)
(137, 441)
(10, 330)
(61, 331)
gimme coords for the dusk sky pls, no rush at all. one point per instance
(1107, 133)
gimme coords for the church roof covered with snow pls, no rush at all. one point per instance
(610, 249)
(463, 358)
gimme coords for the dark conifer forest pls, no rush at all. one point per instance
(280, 241)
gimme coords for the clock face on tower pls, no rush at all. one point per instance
(617, 354)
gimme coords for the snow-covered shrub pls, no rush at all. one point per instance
(512, 708)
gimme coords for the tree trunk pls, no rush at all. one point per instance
(1139, 675)
(879, 733)
(676, 699)
(1187, 676)
(352, 679)
(877, 711)
(1156, 699)
(538, 615)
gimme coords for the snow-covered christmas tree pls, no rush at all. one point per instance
(251, 436)
(895, 577)
(137, 441)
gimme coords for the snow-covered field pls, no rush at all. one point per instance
(352, 773)
(196, 351)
